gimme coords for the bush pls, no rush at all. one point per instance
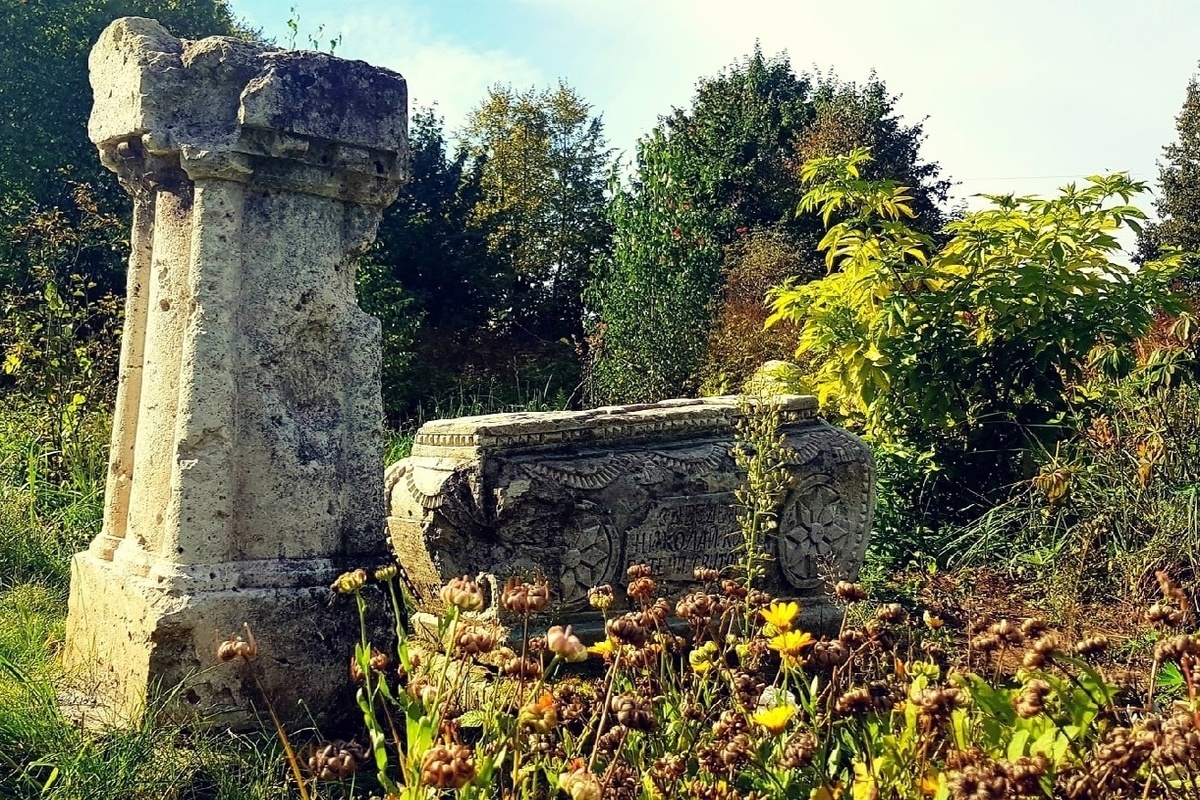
(963, 355)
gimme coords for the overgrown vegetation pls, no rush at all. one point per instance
(1031, 398)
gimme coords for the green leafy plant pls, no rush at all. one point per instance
(964, 353)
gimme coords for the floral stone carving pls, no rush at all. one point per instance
(580, 496)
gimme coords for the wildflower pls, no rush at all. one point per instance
(579, 782)
(706, 574)
(540, 716)
(604, 648)
(600, 597)
(790, 645)
(701, 659)
(386, 572)
(350, 582)
(334, 761)
(932, 622)
(524, 598)
(781, 615)
(462, 593)
(237, 647)
(448, 766)
(565, 644)
(775, 719)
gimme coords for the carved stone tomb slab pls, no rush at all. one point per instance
(581, 496)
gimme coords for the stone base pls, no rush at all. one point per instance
(134, 645)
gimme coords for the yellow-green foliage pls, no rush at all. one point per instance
(916, 339)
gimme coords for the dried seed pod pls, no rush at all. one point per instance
(523, 598)
(448, 766)
(1032, 699)
(849, 592)
(1091, 645)
(627, 629)
(336, 760)
(641, 588)
(633, 712)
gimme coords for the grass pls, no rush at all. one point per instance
(50, 507)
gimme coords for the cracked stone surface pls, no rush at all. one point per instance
(244, 470)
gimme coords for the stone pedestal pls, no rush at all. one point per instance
(247, 441)
(581, 496)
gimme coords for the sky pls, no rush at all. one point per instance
(1014, 95)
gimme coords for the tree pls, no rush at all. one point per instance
(429, 277)
(1178, 203)
(542, 160)
(733, 157)
(651, 295)
(45, 98)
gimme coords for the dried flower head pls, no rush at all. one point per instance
(706, 574)
(849, 592)
(476, 641)
(350, 582)
(524, 598)
(237, 647)
(336, 760)
(641, 588)
(463, 594)
(640, 571)
(378, 663)
(448, 766)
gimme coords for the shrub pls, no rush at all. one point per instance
(964, 354)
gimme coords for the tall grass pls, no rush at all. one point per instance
(50, 502)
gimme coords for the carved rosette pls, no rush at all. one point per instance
(825, 519)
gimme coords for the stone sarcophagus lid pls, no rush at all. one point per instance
(579, 496)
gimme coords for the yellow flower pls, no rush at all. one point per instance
(780, 615)
(932, 621)
(826, 792)
(775, 719)
(791, 643)
(701, 659)
(604, 648)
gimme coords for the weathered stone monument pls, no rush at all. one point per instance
(245, 469)
(582, 495)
